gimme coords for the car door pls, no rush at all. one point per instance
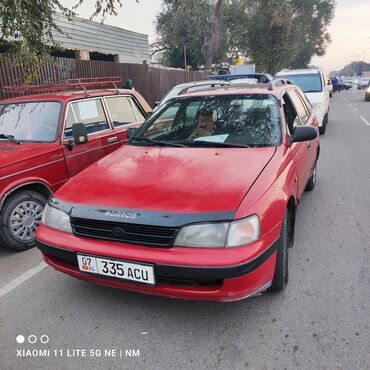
(124, 112)
(300, 150)
(102, 139)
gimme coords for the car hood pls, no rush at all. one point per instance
(169, 179)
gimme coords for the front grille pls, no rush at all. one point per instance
(157, 236)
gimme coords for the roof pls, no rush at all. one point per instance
(236, 76)
(203, 82)
(277, 91)
(287, 72)
(67, 95)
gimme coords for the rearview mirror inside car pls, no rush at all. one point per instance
(131, 132)
(79, 133)
(304, 133)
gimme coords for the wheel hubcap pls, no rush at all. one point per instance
(24, 220)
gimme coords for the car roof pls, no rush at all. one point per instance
(67, 96)
(203, 82)
(287, 72)
(277, 90)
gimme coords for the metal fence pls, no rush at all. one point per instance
(151, 82)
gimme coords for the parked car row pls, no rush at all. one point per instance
(127, 215)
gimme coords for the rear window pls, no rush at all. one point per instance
(307, 82)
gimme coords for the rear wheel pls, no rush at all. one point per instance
(20, 217)
(281, 275)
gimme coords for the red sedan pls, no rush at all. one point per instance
(201, 202)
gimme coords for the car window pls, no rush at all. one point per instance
(139, 114)
(30, 121)
(305, 101)
(164, 122)
(90, 113)
(122, 110)
(245, 120)
(291, 117)
(307, 82)
(299, 106)
(171, 94)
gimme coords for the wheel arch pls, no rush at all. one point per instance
(37, 186)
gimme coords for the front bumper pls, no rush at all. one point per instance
(175, 276)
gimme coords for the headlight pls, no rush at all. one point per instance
(368, 89)
(220, 235)
(56, 219)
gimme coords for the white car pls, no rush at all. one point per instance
(244, 81)
(190, 87)
(314, 84)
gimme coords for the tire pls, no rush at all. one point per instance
(322, 129)
(20, 217)
(281, 275)
(312, 181)
(367, 98)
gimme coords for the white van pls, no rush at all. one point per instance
(313, 82)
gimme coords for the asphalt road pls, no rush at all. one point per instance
(321, 321)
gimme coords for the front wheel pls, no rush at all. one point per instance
(281, 275)
(20, 217)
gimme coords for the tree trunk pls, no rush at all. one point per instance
(213, 35)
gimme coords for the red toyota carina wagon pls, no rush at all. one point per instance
(201, 202)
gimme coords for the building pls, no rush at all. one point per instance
(94, 40)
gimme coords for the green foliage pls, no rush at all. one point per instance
(273, 34)
(27, 25)
(186, 24)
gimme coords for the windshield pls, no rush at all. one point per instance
(228, 120)
(171, 94)
(33, 121)
(307, 82)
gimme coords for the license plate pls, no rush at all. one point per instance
(124, 270)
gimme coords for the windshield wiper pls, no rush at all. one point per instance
(10, 137)
(204, 143)
(155, 142)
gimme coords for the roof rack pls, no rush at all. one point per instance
(279, 81)
(66, 85)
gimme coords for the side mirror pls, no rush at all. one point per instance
(304, 133)
(130, 132)
(79, 133)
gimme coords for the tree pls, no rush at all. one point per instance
(269, 34)
(27, 25)
(287, 33)
(195, 25)
(273, 34)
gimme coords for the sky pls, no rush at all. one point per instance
(350, 30)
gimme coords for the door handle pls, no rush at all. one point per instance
(112, 139)
(309, 145)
